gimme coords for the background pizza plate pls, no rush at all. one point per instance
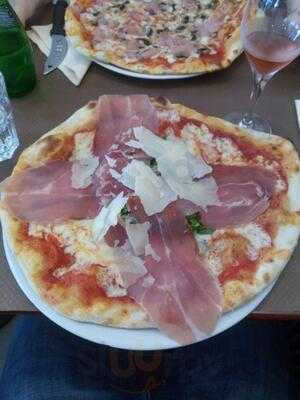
(133, 74)
(131, 339)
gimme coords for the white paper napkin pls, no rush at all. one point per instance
(74, 66)
(297, 104)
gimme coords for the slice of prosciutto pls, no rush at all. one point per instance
(179, 292)
(45, 194)
(244, 193)
(216, 21)
(118, 156)
(117, 114)
(54, 192)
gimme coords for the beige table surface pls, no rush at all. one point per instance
(55, 98)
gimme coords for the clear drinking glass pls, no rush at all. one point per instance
(8, 135)
(270, 34)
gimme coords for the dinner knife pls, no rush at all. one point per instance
(59, 43)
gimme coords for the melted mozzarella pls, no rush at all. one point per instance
(257, 237)
(215, 149)
(203, 243)
(118, 267)
(76, 239)
(108, 217)
(287, 237)
(214, 247)
(111, 282)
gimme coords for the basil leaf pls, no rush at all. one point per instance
(124, 211)
(195, 225)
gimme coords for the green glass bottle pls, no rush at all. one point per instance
(16, 56)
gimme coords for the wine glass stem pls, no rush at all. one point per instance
(258, 84)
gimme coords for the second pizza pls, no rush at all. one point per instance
(158, 37)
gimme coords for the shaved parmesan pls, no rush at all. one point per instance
(180, 158)
(84, 162)
(134, 143)
(129, 266)
(180, 172)
(138, 236)
(108, 217)
(152, 144)
(202, 193)
(183, 165)
(82, 172)
(127, 177)
(153, 192)
(179, 168)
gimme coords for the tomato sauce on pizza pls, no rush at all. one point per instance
(173, 208)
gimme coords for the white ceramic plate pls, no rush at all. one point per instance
(132, 339)
(133, 74)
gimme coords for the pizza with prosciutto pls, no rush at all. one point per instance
(136, 213)
(157, 37)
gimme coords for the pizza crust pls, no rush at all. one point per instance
(109, 312)
(232, 49)
(58, 143)
(237, 292)
(114, 312)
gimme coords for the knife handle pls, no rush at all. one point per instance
(59, 11)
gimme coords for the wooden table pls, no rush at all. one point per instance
(55, 98)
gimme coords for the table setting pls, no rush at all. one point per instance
(133, 213)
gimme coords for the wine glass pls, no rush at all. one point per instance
(270, 33)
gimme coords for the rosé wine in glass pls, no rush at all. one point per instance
(270, 34)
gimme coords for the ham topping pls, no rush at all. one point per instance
(179, 293)
(157, 256)
(45, 194)
(244, 194)
(117, 114)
